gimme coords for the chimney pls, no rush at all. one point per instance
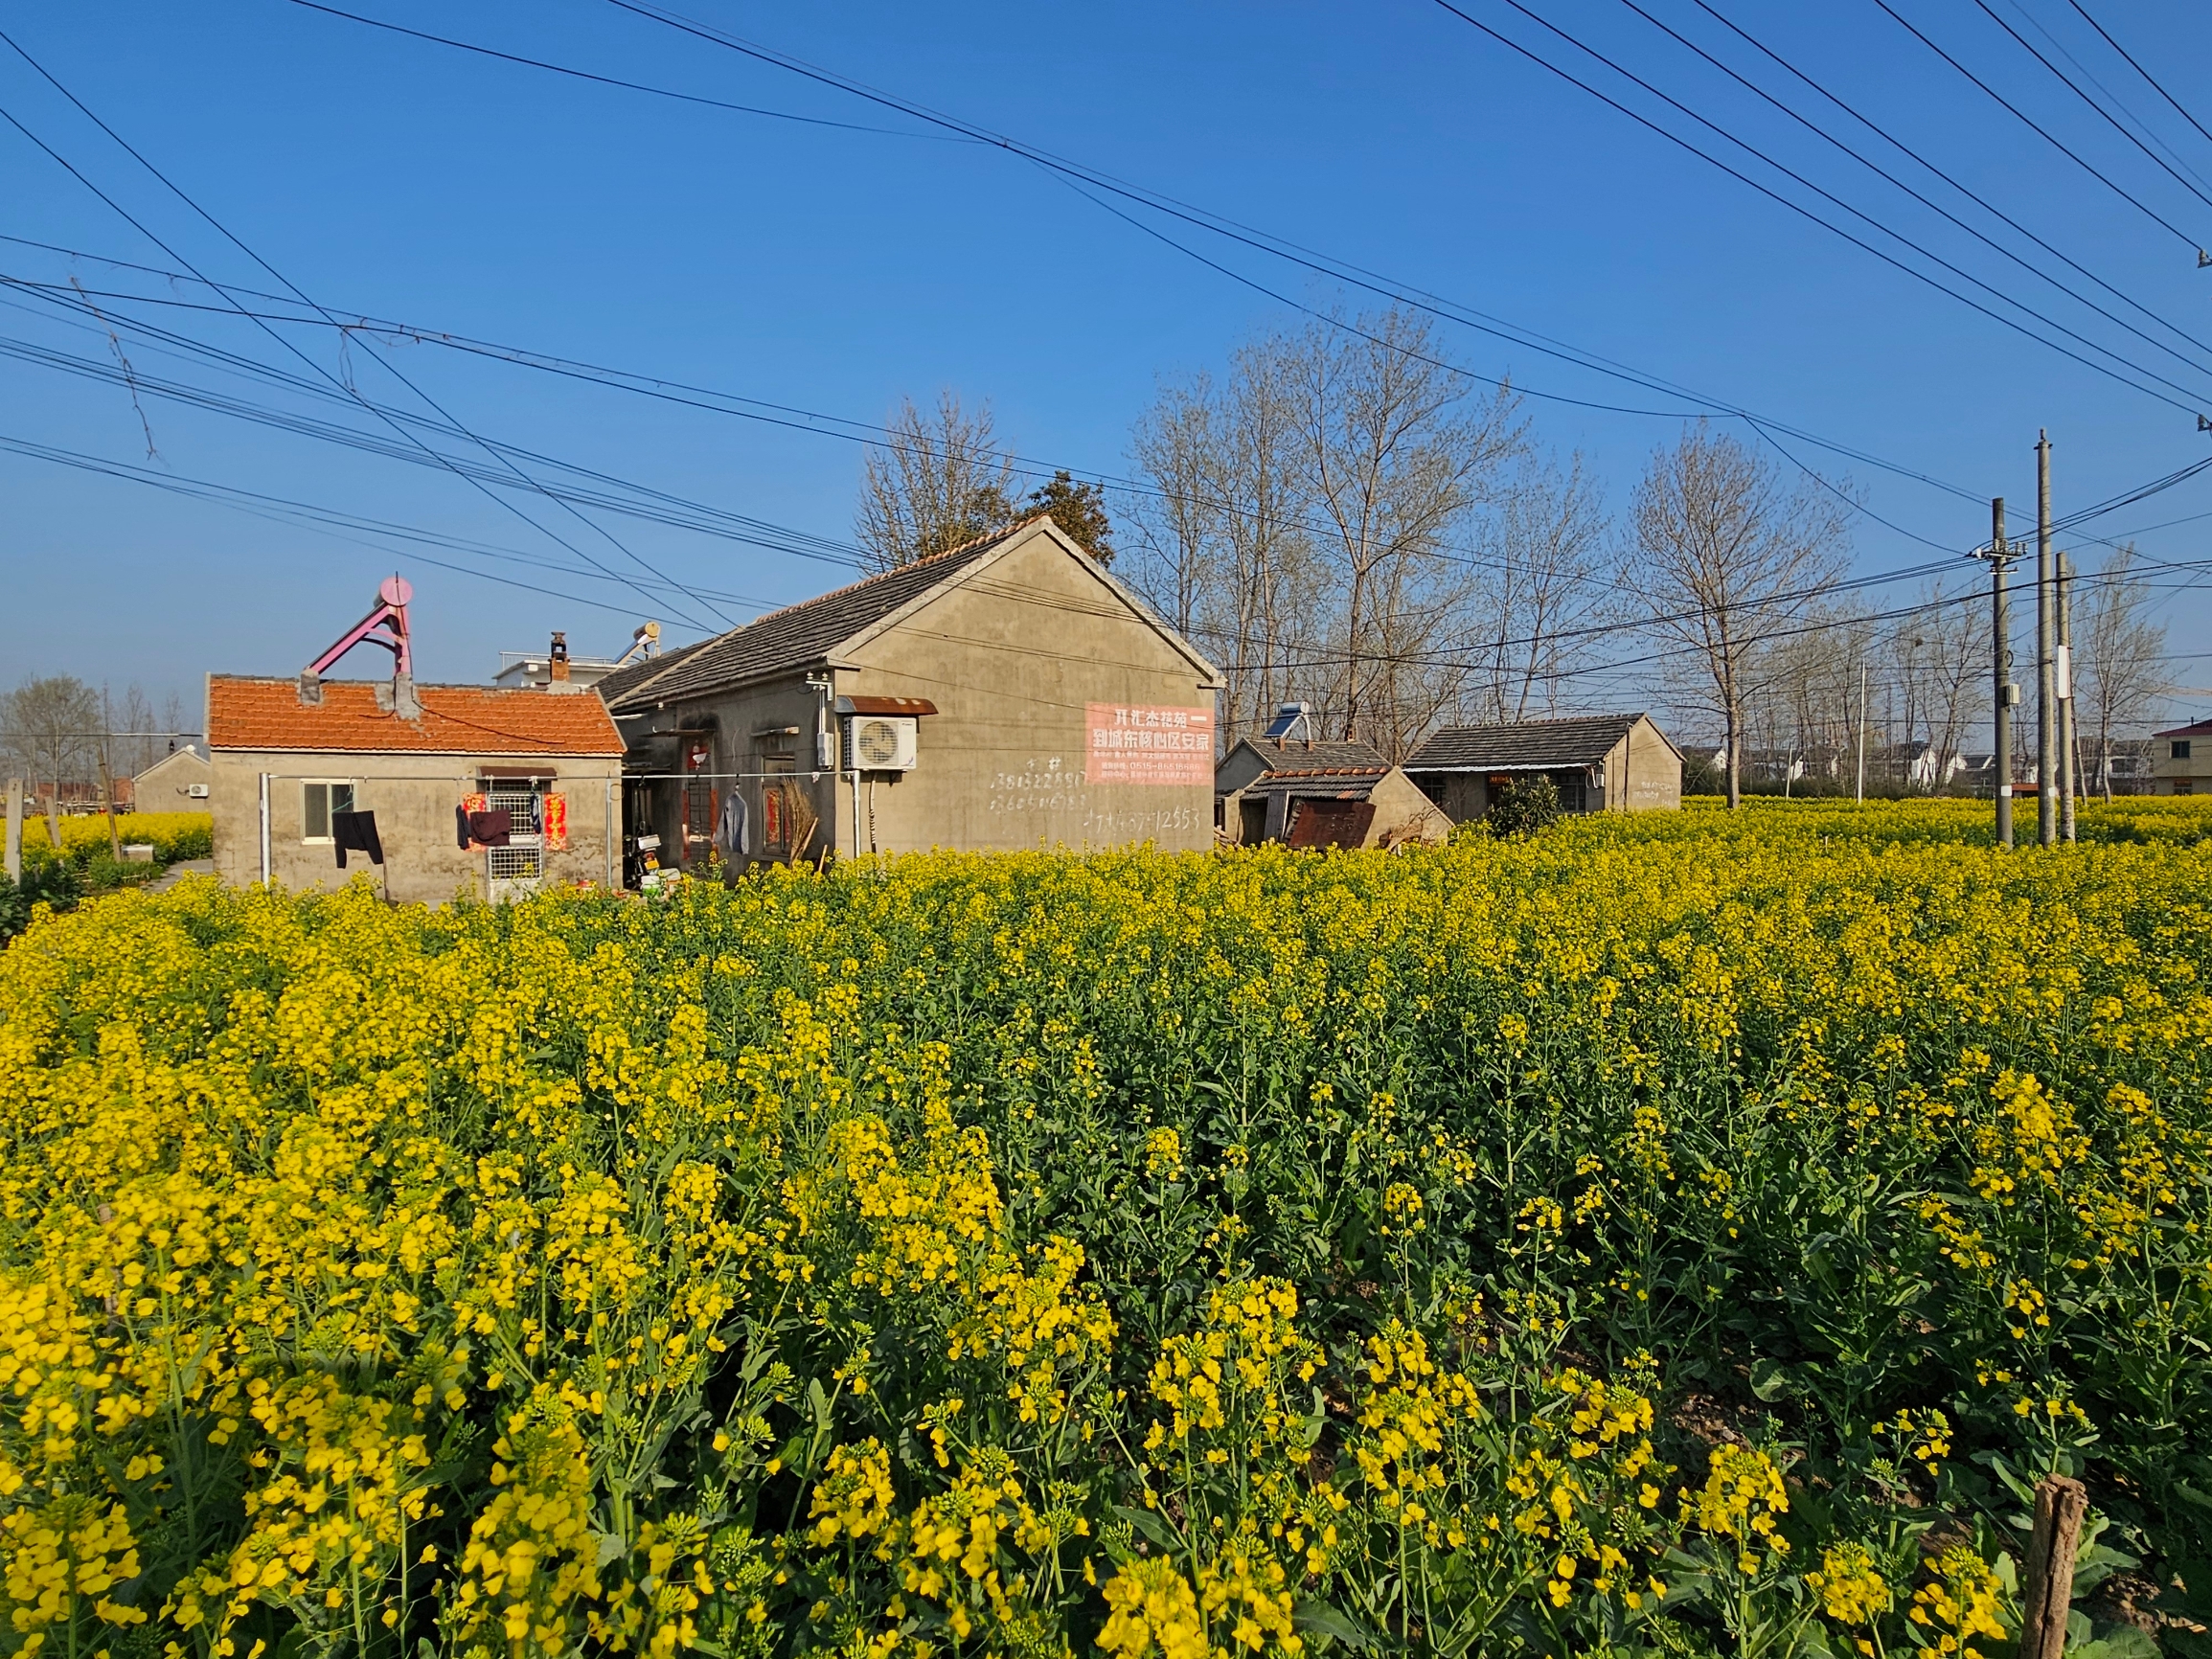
(557, 664)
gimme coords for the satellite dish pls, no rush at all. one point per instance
(395, 590)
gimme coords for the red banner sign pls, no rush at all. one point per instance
(1149, 743)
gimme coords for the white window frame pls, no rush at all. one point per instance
(331, 808)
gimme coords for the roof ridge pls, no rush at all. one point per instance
(970, 545)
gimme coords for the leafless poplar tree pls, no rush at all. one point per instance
(937, 480)
(2119, 655)
(1544, 593)
(1728, 556)
(1938, 658)
(1394, 453)
(51, 730)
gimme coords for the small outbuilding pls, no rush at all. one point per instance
(176, 782)
(1598, 763)
(1314, 793)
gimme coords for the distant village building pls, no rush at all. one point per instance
(1007, 694)
(1598, 763)
(552, 670)
(176, 782)
(469, 791)
(1319, 793)
(2181, 760)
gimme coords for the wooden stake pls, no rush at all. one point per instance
(2059, 1504)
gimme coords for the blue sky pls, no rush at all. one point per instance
(835, 271)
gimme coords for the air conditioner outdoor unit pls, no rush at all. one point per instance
(197, 791)
(882, 743)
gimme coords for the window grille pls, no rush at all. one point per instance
(515, 870)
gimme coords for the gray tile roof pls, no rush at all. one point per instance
(1350, 756)
(1356, 785)
(797, 637)
(620, 682)
(1528, 744)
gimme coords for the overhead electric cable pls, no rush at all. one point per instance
(2030, 266)
(294, 290)
(2117, 125)
(1914, 155)
(1800, 209)
(625, 86)
(1275, 246)
(2151, 79)
(2029, 121)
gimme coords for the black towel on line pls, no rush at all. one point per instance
(490, 829)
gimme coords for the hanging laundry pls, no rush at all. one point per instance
(491, 828)
(470, 806)
(733, 831)
(555, 809)
(356, 831)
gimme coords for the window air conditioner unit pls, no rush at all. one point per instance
(883, 742)
(197, 791)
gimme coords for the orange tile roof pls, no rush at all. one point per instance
(258, 714)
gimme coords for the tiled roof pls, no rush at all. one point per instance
(1583, 741)
(797, 637)
(1344, 756)
(2202, 729)
(1355, 786)
(258, 714)
(620, 682)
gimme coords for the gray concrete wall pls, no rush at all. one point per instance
(1653, 782)
(413, 796)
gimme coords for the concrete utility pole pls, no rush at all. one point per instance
(1861, 790)
(2069, 766)
(2000, 554)
(2046, 694)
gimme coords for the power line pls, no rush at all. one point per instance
(297, 293)
(2112, 98)
(2147, 75)
(2021, 115)
(1921, 161)
(2107, 115)
(1336, 269)
(1805, 212)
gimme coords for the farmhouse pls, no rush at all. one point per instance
(2181, 760)
(465, 789)
(1317, 793)
(1599, 764)
(1007, 694)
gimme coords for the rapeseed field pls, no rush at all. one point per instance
(1684, 1234)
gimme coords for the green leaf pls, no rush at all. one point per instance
(1770, 1380)
(1148, 1522)
(1316, 1617)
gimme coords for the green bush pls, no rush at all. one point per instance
(1526, 806)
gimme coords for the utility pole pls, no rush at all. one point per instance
(2000, 554)
(2047, 692)
(1862, 792)
(2069, 762)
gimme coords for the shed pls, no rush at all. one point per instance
(176, 782)
(1317, 793)
(1006, 693)
(289, 755)
(1599, 762)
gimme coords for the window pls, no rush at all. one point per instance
(2184, 787)
(320, 802)
(2180, 748)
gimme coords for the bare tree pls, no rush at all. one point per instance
(1937, 656)
(1394, 453)
(53, 725)
(2119, 654)
(1545, 592)
(938, 480)
(1727, 556)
